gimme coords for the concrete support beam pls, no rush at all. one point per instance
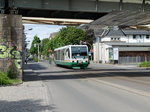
(11, 41)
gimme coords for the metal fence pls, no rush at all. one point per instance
(137, 59)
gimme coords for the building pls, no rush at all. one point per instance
(121, 46)
(53, 35)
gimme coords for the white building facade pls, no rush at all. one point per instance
(122, 46)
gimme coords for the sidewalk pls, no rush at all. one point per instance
(119, 66)
(31, 96)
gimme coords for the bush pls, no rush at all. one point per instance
(5, 80)
(144, 64)
(35, 59)
(11, 74)
(46, 58)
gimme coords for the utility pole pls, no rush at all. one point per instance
(38, 52)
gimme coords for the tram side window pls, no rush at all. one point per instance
(56, 55)
(62, 54)
(59, 56)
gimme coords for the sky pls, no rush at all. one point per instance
(42, 31)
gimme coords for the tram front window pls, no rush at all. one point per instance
(79, 52)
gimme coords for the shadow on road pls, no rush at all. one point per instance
(79, 73)
(34, 66)
(92, 75)
(23, 106)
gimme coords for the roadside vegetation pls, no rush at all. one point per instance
(144, 64)
(8, 78)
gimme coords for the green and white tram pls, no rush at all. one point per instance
(74, 56)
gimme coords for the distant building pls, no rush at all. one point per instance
(52, 35)
(121, 46)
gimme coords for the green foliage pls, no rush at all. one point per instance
(144, 64)
(67, 36)
(35, 59)
(11, 74)
(34, 49)
(71, 35)
(46, 58)
(5, 80)
(44, 46)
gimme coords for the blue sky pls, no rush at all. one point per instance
(42, 31)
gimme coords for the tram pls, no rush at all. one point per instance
(73, 56)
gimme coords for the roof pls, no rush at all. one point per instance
(100, 32)
(136, 32)
(115, 33)
(121, 18)
(119, 32)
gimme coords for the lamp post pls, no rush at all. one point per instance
(25, 42)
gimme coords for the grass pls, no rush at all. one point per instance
(5, 80)
(144, 64)
(35, 59)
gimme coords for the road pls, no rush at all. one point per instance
(100, 88)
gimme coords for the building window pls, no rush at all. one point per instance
(147, 36)
(115, 39)
(134, 36)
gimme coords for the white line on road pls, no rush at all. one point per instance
(139, 92)
(132, 90)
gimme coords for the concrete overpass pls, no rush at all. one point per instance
(74, 9)
(55, 21)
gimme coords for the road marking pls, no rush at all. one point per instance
(132, 90)
(139, 92)
(128, 79)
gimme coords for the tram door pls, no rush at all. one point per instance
(67, 54)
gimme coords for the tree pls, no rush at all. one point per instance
(44, 46)
(71, 35)
(67, 36)
(34, 49)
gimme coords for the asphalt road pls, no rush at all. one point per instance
(100, 88)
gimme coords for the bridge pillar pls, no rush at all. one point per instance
(11, 43)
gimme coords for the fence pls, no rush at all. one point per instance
(137, 59)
